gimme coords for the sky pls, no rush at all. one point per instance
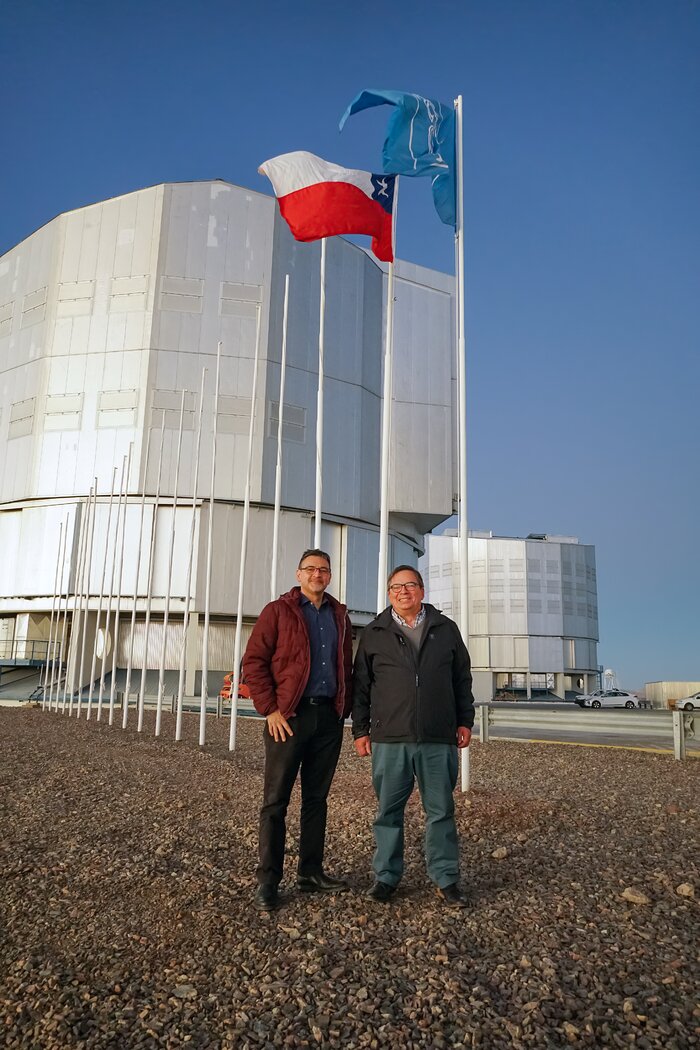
(582, 226)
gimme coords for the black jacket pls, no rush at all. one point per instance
(404, 696)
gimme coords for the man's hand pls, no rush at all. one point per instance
(464, 735)
(278, 727)
(363, 746)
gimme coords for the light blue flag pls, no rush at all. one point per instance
(420, 140)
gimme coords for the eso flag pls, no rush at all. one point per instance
(319, 199)
(420, 140)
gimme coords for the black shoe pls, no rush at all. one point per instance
(452, 896)
(381, 891)
(321, 883)
(266, 898)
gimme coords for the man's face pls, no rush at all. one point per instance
(405, 593)
(313, 575)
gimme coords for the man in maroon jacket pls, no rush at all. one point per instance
(298, 665)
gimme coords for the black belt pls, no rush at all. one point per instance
(317, 701)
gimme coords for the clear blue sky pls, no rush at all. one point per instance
(582, 156)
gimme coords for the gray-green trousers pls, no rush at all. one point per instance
(395, 769)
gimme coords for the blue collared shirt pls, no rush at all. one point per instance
(323, 638)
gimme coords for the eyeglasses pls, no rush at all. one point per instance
(311, 569)
(396, 587)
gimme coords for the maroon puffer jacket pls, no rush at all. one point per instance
(277, 659)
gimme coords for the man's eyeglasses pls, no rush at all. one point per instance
(396, 587)
(311, 569)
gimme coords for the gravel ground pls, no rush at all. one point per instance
(126, 876)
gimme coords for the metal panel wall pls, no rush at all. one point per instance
(352, 356)
(421, 453)
(544, 589)
(361, 581)
(221, 644)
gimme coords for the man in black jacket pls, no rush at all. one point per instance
(412, 709)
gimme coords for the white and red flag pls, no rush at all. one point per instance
(319, 199)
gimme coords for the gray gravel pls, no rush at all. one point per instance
(126, 875)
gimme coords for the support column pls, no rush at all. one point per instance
(559, 688)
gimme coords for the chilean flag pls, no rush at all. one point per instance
(318, 199)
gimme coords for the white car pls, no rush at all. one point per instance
(587, 696)
(688, 703)
(611, 698)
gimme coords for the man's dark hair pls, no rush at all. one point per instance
(316, 554)
(406, 568)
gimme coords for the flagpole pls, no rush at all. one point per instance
(120, 577)
(149, 583)
(92, 507)
(110, 596)
(53, 613)
(56, 671)
(100, 600)
(319, 401)
(244, 547)
(130, 657)
(386, 422)
(278, 469)
(190, 559)
(204, 694)
(75, 615)
(168, 587)
(79, 606)
(463, 542)
(67, 559)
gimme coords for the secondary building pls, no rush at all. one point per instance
(533, 610)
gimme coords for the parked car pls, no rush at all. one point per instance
(611, 698)
(582, 697)
(688, 703)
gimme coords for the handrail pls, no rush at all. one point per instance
(646, 723)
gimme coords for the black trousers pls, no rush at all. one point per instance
(314, 748)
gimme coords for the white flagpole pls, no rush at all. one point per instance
(244, 547)
(85, 600)
(120, 575)
(210, 545)
(53, 613)
(101, 597)
(319, 401)
(108, 613)
(79, 605)
(56, 671)
(463, 541)
(190, 559)
(149, 585)
(278, 470)
(67, 559)
(166, 611)
(386, 422)
(130, 657)
(75, 615)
